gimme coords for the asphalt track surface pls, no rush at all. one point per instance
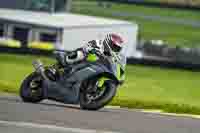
(51, 117)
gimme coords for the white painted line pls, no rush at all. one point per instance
(51, 127)
(112, 107)
(171, 114)
(159, 112)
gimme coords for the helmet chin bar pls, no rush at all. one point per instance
(113, 54)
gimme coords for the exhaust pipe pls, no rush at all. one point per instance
(39, 68)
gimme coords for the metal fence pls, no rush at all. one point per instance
(176, 54)
(181, 4)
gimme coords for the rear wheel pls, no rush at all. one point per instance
(94, 99)
(31, 89)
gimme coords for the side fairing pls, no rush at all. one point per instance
(87, 72)
(93, 68)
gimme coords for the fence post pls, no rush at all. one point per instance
(69, 5)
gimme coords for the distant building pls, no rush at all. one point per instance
(47, 21)
(51, 6)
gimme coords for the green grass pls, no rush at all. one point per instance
(173, 34)
(152, 11)
(14, 68)
(145, 87)
(167, 89)
(180, 2)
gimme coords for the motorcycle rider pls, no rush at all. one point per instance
(112, 43)
(66, 89)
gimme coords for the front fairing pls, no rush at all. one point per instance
(118, 67)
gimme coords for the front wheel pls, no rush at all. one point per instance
(31, 89)
(94, 100)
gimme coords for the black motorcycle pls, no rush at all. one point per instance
(91, 83)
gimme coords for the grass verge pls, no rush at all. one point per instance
(14, 68)
(164, 106)
(145, 10)
(145, 87)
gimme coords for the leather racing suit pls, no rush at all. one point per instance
(80, 54)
